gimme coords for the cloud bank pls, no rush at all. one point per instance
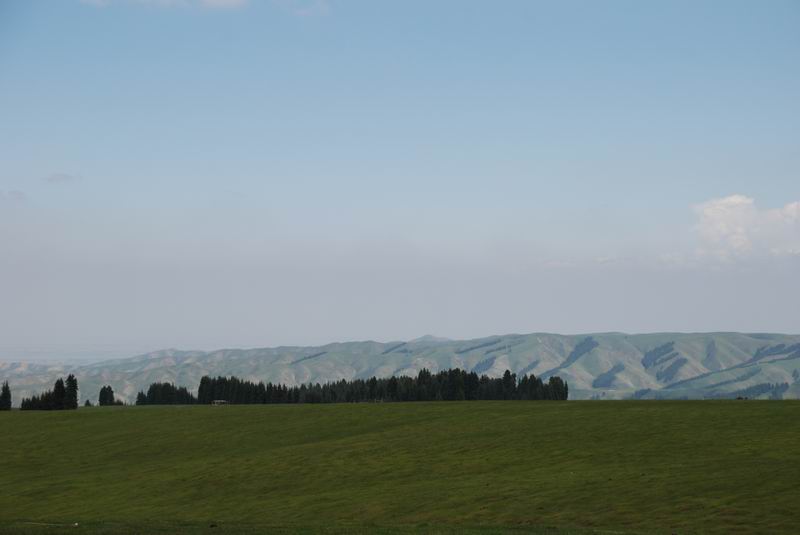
(733, 227)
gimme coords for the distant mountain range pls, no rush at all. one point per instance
(600, 366)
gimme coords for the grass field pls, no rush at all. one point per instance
(469, 467)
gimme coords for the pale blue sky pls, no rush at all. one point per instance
(206, 173)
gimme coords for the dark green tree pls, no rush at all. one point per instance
(52, 400)
(509, 385)
(204, 392)
(71, 398)
(106, 396)
(5, 397)
(169, 394)
(59, 395)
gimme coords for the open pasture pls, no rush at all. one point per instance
(464, 467)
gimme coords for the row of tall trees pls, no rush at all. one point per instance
(448, 385)
(165, 394)
(64, 396)
(5, 397)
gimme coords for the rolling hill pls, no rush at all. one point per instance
(601, 366)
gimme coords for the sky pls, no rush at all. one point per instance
(201, 174)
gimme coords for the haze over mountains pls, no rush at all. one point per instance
(602, 365)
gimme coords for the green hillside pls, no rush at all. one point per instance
(629, 466)
(599, 365)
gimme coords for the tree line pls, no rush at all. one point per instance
(63, 396)
(448, 385)
(165, 394)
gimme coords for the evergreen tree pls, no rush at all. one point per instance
(509, 385)
(71, 398)
(5, 397)
(205, 392)
(106, 396)
(53, 400)
(166, 394)
(59, 396)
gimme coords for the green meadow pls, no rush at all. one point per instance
(462, 467)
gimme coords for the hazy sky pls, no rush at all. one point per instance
(217, 173)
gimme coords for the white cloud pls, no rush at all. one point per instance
(734, 227)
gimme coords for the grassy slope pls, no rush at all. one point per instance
(722, 467)
(531, 353)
